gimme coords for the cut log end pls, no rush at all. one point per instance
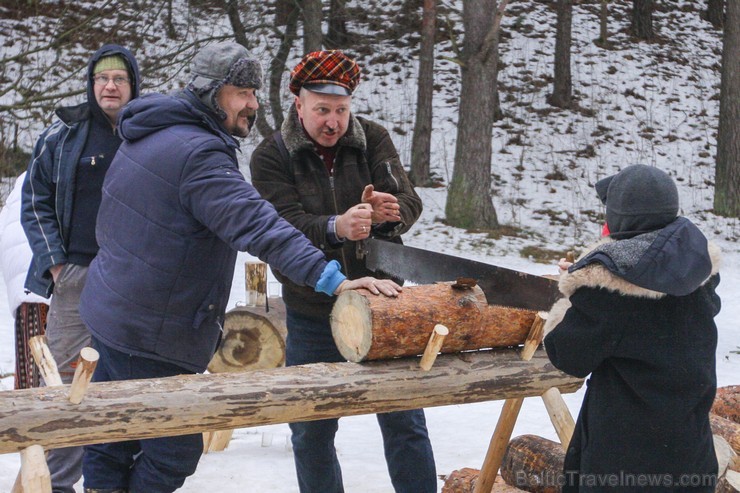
(351, 326)
(250, 342)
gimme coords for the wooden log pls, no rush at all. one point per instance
(533, 464)
(44, 361)
(253, 339)
(369, 327)
(433, 346)
(727, 403)
(256, 282)
(465, 479)
(729, 430)
(560, 416)
(83, 374)
(136, 409)
(35, 476)
(727, 459)
(729, 483)
(499, 441)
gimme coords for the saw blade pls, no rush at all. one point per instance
(501, 286)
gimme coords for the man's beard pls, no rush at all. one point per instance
(238, 131)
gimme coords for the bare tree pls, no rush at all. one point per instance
(562, 92)
(231, 7)
(422, 140)
(277, 67)
(469, 203)
(715, 12)
(727, 171)
(642, 19)
(337, 34)
(312, 18)
(604, 22)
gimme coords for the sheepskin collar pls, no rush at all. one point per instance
(597, 275)
(296, 139)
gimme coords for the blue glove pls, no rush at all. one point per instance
(330, 279)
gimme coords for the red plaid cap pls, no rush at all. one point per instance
(325, 67)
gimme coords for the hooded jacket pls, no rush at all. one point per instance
(174, 212)
(48, 190)
(302, 190)
(638, 315)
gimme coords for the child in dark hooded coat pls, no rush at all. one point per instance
(638, 315)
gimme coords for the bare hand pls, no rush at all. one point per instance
(376, 286)
(54, 270)
(564, 265)
(385, 206)
(355, 224)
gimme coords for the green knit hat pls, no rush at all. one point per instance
(112, 62)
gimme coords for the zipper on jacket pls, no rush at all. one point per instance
(345, 265)
(388, 167)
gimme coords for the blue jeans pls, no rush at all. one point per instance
(155, 465)
(408, 451)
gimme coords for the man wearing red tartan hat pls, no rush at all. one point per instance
(337, 177)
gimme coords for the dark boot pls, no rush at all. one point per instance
(109, 490)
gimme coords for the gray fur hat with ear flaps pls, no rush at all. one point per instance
(219, 64)
(638, 199)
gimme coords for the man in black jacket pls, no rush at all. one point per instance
(61, 197)
(338, 179)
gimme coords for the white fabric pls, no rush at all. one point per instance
(15, 253)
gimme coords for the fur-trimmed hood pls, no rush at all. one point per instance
(628, 267)
(295, 137)
(675, 260)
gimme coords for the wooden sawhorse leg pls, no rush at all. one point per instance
(556, 408)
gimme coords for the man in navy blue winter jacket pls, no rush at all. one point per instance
(174, 212)
(61, 196)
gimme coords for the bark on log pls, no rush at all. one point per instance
(464, 481)
(254, 339)
(370, 327)
(136, 409)
(533, 463)
(729, 430)
(727, 403)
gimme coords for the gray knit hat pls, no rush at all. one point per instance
(638, 199)
(219, 64)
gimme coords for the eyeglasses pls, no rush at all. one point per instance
(102, 80)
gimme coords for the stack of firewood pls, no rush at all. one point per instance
(533, 463)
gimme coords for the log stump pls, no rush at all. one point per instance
(727, 403)
(370, 327)
(254, 339)
(534, 464)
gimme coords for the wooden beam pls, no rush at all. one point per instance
(135, 409)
